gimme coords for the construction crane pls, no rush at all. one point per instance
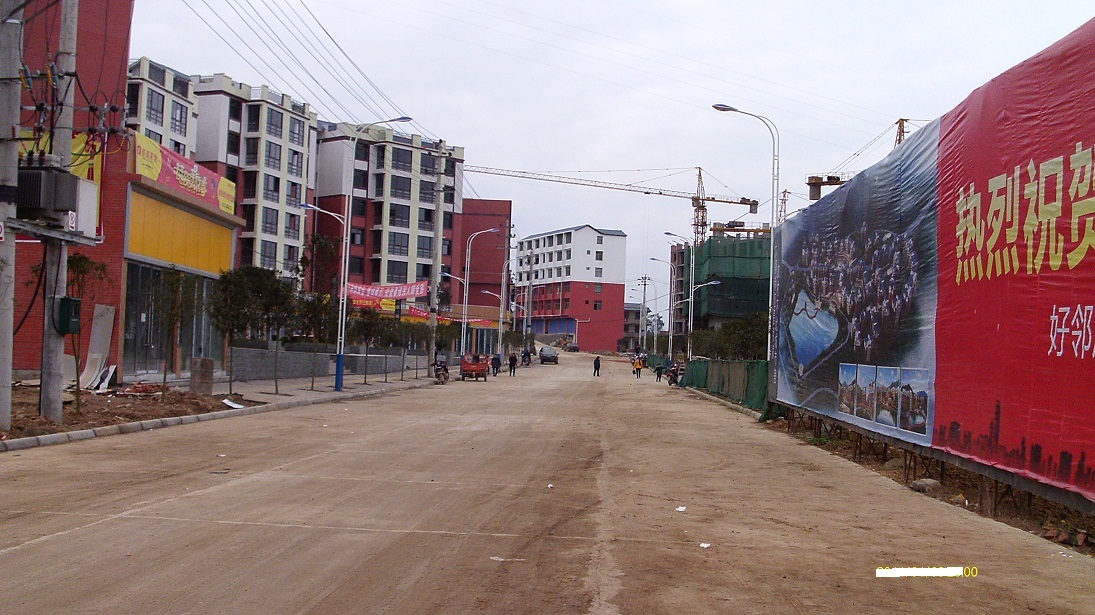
(699, 198)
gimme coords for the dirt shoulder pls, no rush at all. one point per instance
(140, 403)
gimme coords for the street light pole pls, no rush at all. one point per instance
(467, 278)
(669, 350)
(691, 288)
(340, 357)
(774, 268)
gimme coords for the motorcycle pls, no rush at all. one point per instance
(441, 372)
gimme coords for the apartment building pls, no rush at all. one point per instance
(161, 105)
(572, 282)
(264, 142)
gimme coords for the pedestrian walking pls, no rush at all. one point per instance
(495, 364)
(638, 365)
(658, 372)
(512, 364)
(597, 366)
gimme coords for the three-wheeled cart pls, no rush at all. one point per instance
(470, 368)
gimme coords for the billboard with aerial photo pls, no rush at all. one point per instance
(946, 295)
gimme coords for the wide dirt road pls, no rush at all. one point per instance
(550, 492)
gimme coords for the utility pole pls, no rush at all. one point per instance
(56, 250)
(10, 52)
(643, 314)
(439, 241)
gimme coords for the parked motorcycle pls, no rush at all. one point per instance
(441, 372)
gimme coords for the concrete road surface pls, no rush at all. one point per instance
(550, 492)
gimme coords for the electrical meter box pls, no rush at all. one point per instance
(68, 315)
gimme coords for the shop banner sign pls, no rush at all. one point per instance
(159, 163)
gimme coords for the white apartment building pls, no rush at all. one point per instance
(578, 253)
(403, 191)
(161, 105)
(265, 142)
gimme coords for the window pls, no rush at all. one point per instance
(566, 304)
(450, 196)
(428, 164)
(598, 272)
(401, 159)
(361, 180)
(268, 255)
(233, 144)
(600, 239)
(357, 265)
(599, 256)
(399, 215)
(549, 241)
(235, 110)
(446, 247)
(132, 100)
(253, 118)
(178, 148)
(154, 109)
(558, 255)
(357, 207)
(361, 151)
(596, 306)
(290, 257)
(357, 236)
(250, 184)
(269, 221)
(273, 156)
(567, 239)
(536, 243)
(293, 194)
(397, 272)
(251, 151)
(447, 220)
(232, 174)
(401, 187)
(152, 134)
(378, 185)
(450, 167)
(597, 288)
(550, 257)
(292, 226)
(178, 118)
(296, 163)
(422, 271)
(427, 191)
(566, 285)
(425, 219)
(425, 247)
(398, 245)
(274, 121)
(157, 74)
(271, 188)
(380, 152)
(296, 131)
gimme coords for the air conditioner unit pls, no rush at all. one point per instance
(45, 191)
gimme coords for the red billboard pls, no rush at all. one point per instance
(1015, 363)
(946, 295)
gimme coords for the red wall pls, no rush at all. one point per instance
(101, 58)
(488, 250)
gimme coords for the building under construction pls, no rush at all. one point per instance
(740, 263)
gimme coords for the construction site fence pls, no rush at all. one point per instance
(745, 382)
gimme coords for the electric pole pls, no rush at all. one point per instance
(56, 250)
(10, 52)
(439, 241)
(645, 280)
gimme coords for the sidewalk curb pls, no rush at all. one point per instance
(729, 404)
(63, 437)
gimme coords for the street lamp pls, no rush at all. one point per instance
(467, 276)
(501, 314)
(691, 288)
(670, 293)
(774, 271)
(344, 273)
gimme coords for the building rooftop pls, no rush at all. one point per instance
(612, 232)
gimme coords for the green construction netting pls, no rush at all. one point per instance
(745, 382)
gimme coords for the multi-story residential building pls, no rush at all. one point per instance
(161, 105)
(572, 282)
(632, 327)
(265, 142)
(741, 266)
(403, 191)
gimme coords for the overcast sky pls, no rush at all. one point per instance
(621, 85)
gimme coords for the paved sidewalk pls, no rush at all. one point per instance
(293, 392)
